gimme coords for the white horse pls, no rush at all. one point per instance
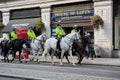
(65, 44)
(37, 45)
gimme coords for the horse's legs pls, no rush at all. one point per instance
(52, 55)
(20, 56)
(14, 54)
(70, 52)
(45, 54)
(37, 57)
(80, 58)
(23, 51)
(34, 55)
(66, 56)
(7, 56)
(62, 54)
(4, 56)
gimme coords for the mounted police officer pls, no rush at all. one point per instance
(59, 34)
(31, 34)
(74, 29)
(74, 45)
(13, 35)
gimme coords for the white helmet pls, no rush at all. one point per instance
(74, 26)
(59, 21)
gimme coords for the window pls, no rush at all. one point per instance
(25, 13)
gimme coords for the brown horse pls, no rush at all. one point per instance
(80, 48)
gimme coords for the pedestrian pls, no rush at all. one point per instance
(37, 31)
(91, 48)
(31, 34)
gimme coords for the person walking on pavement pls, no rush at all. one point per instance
(90, 48)
(31, 34)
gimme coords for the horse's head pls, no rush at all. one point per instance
(42, 38)
(77, 36)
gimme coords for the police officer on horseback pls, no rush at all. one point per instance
(13, 35)
(31, 34)
(74, 29)
(59, 34)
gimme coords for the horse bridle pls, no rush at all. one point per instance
(43, 40)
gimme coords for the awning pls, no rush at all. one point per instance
(23, 23)
(70, 23)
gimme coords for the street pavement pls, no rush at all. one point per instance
(32, 71)
(49, 72)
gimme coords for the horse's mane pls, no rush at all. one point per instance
(39, 37)
(70, 34)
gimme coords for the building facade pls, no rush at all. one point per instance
(70, 12)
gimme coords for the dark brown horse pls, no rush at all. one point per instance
(80, 48)
(18, 46)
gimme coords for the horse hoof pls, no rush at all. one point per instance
(61, 64)
(20, 61)
(78, 63)
(74, 64)
(8, 61)
(38, 62)
(11, 61)
(68, 62)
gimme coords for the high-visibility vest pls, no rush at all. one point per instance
(73, 31)
(13, 35)
(31, 34)
(59, 32)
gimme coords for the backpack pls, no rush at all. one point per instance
(22, 33)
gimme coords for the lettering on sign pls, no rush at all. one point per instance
(19, 25)
(77, 14)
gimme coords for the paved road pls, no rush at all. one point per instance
(9, 78)
(50, 72)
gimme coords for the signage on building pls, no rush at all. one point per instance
(20, 25)
(73, 15)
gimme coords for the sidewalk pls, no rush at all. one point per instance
(103, 61)
(95, 61)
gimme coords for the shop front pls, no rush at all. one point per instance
(22, 18)
(72, 14)
(116, 16)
